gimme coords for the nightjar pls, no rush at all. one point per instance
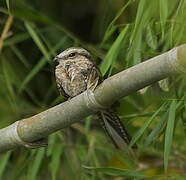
(75, 72)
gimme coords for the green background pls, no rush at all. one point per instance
(119, 34)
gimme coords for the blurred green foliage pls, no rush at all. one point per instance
(119, 34)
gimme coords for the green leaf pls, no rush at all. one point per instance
(55, 162)
(178, 176)
(113, 51)
(39, 66)
(30, 28)
(35, 164)
(117, 172)
(144, 127)
(32, 73)
(3, 162)
(20, 55)
(143, 18)
(109, 33)
(8, 4)
(21, 37)
(7, 76)
(163, 14)
(151, 38)
(169, 133)
(139, 18)
(111, 28)
(156, 131)
(51, 143)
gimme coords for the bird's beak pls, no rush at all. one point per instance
(56, 60)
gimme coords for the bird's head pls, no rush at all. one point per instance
(73, 53)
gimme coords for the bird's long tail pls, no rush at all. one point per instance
(114, 128)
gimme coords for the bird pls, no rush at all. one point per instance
(76, 72)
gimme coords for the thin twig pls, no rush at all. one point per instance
(6, 31)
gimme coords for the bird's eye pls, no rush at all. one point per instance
(72, 54)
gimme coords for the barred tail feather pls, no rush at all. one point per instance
(115, 129)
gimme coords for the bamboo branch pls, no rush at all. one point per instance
(122, 84)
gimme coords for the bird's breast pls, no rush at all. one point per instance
(73, 75)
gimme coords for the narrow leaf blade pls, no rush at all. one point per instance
(117, 172)
(169, 133)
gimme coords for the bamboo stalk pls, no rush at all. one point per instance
(122, 84)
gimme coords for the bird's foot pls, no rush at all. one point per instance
(37, 144)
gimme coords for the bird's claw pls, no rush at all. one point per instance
(37, 144)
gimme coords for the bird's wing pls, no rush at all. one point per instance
(60, 89)
(94, 78)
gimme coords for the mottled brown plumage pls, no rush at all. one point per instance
(75, 73)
